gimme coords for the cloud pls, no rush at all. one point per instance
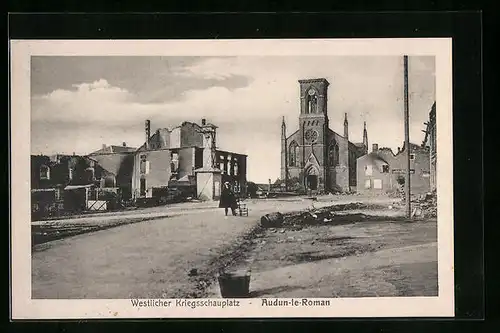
(88, 103)
(149, 79)
(212, 68)
(248, 109)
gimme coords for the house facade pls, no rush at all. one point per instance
(382, 171)
(316, 156)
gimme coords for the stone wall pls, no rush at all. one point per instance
(157, 174)
(190, 135)
(186, 162)
(121, 165)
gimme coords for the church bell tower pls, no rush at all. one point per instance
(313, 122)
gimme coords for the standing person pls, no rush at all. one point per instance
(227, 199)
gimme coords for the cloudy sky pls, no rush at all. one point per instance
(80, 103)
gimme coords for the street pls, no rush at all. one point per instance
(146, 259)
(153, 258)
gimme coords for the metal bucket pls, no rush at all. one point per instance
(234, 285)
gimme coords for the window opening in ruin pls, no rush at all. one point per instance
(44, 172)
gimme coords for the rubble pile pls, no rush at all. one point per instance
(423, 205)
(320, 216)
(317, 216)
(427, 203)
(399, 194)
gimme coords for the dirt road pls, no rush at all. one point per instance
(147, 259)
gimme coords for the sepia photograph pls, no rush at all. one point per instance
(232, 178)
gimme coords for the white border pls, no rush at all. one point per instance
(23, 307)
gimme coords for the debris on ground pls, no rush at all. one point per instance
(425, 205)
(271, 220)
(341, 213)
(428, 204)
(417, 212)
(324, 215)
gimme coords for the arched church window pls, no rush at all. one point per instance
(333, 153)
(312, 102)
(293, 153)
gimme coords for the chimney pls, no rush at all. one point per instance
(147, 127)
(399, 150)
(374, 147)
(124, 144)
(103, 146)
(203, 122)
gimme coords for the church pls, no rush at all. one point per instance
(315, 158)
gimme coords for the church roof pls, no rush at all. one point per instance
(289, 137)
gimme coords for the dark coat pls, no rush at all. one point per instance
(227, 198)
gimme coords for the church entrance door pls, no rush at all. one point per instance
(312, 182)
(311, 178)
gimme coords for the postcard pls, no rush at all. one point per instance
(231, 178)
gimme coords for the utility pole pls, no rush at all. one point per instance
(285, 144)
(407, 139)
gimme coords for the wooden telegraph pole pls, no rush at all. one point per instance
(407, 139)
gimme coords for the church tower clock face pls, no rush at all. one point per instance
(311, 136)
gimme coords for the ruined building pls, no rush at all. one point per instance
(382, 171)
(431, 143)
(175, 158)
(119, 162)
